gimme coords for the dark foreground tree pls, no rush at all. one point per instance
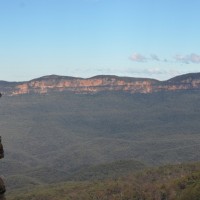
(2, 185)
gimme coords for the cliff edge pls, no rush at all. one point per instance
(101, 83)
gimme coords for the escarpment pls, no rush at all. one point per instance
(100, 84)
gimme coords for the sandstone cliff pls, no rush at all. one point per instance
(100, 84)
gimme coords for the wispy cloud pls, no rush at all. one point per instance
(154, 72)
(136, 57)
(191, 58)
(158, 71)
(154, 57)
(186, 59)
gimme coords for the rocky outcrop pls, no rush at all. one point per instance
(100, 84)
(79, 85)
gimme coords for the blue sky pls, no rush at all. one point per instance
(139, 38)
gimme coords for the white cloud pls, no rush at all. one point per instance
(136, 57)
(187, 59)
(191, 58)
(194, 58)
(181, 58)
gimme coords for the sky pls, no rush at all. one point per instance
(83, 38)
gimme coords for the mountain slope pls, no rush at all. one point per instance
(171, 182)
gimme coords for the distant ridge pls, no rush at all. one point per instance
(100, 83)
(184, 77)
(55, 77)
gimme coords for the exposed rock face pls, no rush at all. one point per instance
(78, 85)
(100, 84)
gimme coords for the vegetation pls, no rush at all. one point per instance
(55, 137)
(109, 170)
(171, 182)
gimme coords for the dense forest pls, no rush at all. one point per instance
(92, 144)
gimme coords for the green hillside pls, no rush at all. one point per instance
(108, 170)
(171, 182)
(42, 176)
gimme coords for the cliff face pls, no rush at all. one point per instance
(99, 84)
